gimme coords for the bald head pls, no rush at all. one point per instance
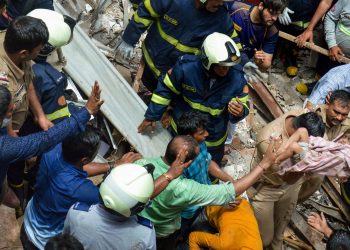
(176, 144)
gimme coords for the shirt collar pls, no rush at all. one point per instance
(321, 109)
(18, 72)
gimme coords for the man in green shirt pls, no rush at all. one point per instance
(165, 209)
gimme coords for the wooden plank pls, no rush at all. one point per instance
(333, 212)
(298, 244)
(334, 183)
(336, 198)
(311, 46)
(311, 235)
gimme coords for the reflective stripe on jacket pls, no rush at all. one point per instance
(174, 28)
(188, 86)
(50, 84)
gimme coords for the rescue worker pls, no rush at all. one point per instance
(212, 83)
(49, 84)
(21, 43)
(294, 20)
(256, 29)
(274, 197)
(337, 30)
(174, 28)
(258, 35)
(15, 8)
(125, 192)
(19, 148)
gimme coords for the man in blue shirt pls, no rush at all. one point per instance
(61, 182)
(19, 148)
(194, 124)
(256, 29)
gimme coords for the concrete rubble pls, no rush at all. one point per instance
(105, 24)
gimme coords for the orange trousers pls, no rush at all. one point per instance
(237, 227)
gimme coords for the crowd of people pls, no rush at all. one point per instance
(200, 56)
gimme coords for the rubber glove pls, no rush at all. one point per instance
(251, 71)
(284, 18)
(125, 50)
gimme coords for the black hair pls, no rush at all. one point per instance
(25, 33)
(274, 5)
(64, 242)
(84, 144)
(175, 146)
(312, 122)
(340, 95)
(5, 99)
(190, 122)
(339, 240)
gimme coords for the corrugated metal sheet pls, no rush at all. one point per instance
(122, 107)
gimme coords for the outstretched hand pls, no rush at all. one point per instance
(270, 155)
(179, 165)
(145, 124)
(94, 102)
(319, 222)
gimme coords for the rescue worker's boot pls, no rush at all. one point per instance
(18, 189)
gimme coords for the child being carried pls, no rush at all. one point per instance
(316, 155)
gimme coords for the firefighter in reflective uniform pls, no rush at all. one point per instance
(174, 28)
(49, 85)
(212, 83)
(294, 20)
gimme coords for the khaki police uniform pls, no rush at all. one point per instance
(313, 184)
(272, 198)
(16, 79)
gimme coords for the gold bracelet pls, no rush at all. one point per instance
(167, 177)
(263, 169)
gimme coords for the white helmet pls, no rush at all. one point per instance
(219, 49)
(60, 27)
(128, 188)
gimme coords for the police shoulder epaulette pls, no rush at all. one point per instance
(81, 206)
(144, 221)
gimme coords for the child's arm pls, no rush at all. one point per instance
(292, 147)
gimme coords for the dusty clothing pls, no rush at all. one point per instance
(275, 128)
(323, 158)
(313, 183)
(273, 208)
(337, 26)
(237, 229)
(271, 193)
(16, 79)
